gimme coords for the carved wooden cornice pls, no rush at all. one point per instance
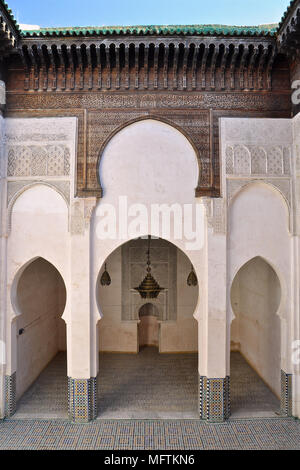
(288, 36)
(148, 63)
(9, 31)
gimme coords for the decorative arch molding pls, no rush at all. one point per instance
(198, 189)
(60, 187)
(281, 186)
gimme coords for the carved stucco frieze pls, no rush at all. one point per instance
(77, 225)
(81, 213)
(235, 185)
(216, 214)
(244, 160)
(35, 160)
(16, 188)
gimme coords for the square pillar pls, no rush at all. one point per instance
(81, 344)
(82, 399)
(10, 395)
(214, 381)
(214, 399)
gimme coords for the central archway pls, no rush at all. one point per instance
(131, 326)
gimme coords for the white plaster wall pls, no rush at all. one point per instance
(115, 335)
(41, 300)
(255, 298)
(3, 242)
(296, 251)
(149, 161)
(39, 229)
(258, 226)
(182, 335)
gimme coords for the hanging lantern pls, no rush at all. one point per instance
(105, 278)
(192, 280)
(149, 288)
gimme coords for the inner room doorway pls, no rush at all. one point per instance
(255, 341)
(148, 328)
(148, 347)
(39, 294)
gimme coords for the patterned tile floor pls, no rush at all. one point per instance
(146, 386)
(249, 396)
(255, 434)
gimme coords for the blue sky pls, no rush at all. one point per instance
(133, 12)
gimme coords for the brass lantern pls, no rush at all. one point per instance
(149, 288)
(105, 278)
(192, 280)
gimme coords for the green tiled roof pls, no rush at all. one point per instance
(193, 30)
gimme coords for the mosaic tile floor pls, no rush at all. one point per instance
(146, 386)
(47, 397)
(259, 434)
(249, 396)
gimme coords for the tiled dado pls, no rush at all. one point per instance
(82, 399)
(286, 407)
(10, 395)
(214, 399)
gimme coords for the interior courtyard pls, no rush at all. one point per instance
(150, 236)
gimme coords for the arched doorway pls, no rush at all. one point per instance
(148, 327)
(255, 340)
(148, 347)
(39, 299)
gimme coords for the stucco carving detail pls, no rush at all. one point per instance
(216, 214)
(283, 185)
(34, 160)
(16, 188)
(77, 225)
(258, 160)
(242, 160)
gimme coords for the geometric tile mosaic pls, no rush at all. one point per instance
(251, 434)
(214, 399)
(10, 395)
(82, 399)
(286, 405)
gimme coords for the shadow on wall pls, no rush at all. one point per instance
(255, 332)
(41, 300)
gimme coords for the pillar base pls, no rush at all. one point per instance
(10, 395)
(214, 399)
(286, 404)
(82, 399)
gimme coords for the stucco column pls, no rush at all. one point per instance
(7, 383)
(213, 376)
(82, 353)
(290, 376)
